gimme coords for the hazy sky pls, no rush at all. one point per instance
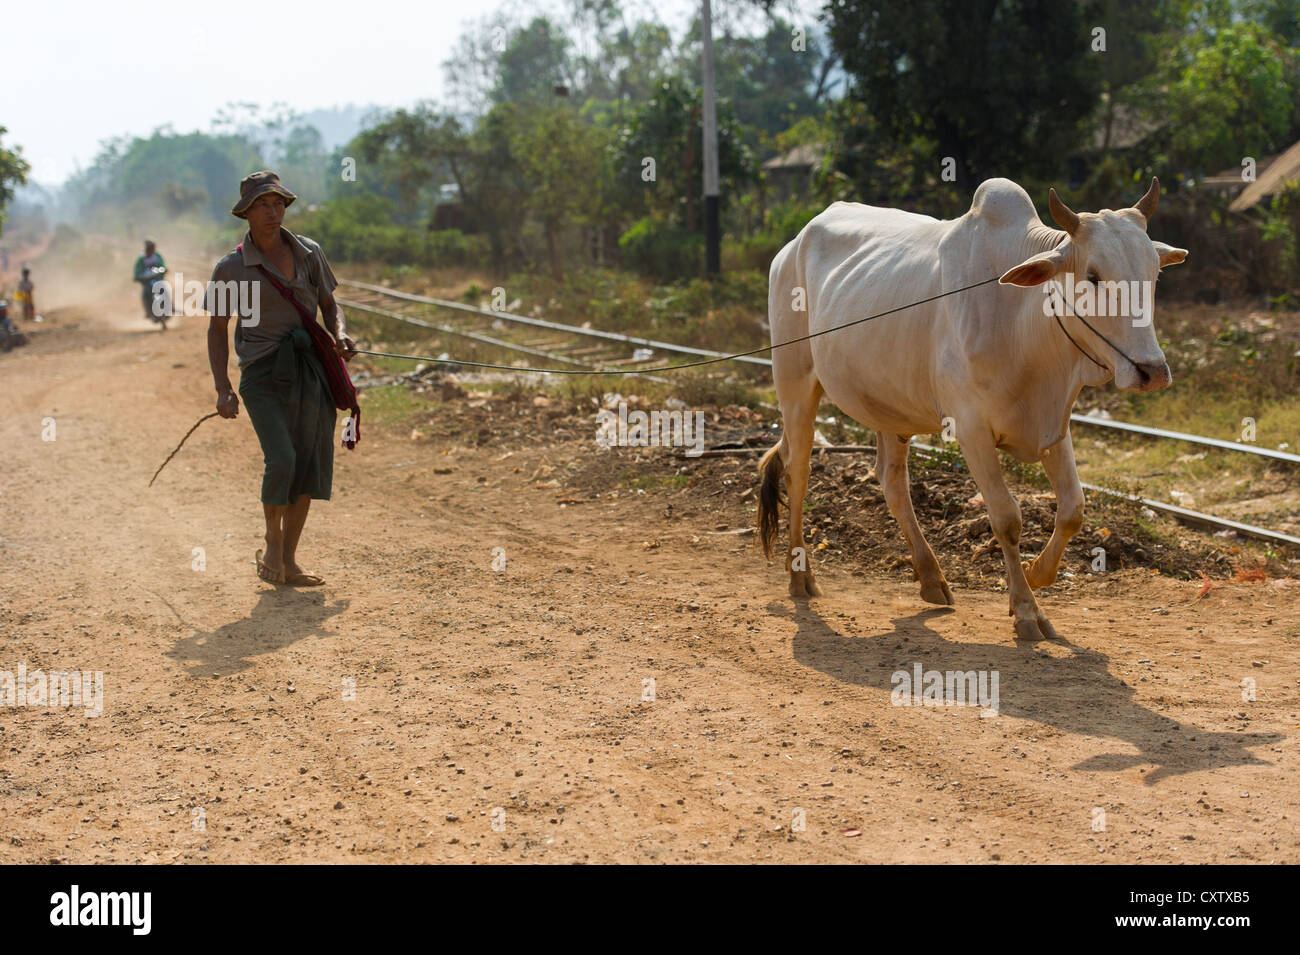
(77, 72)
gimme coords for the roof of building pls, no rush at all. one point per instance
(1269, 178)
(801, 157)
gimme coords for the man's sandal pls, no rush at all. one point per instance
(266, 573)
(304, 580)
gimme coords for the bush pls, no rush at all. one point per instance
(1280, 230)
(453, 247)
(757, 251)
(361, 229)
(662, 250)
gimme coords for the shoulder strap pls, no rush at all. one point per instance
(282, 289)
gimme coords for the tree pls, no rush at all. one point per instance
(127, 170)
(774, 78)
(414, 151)
(1281, 18)
(594, 51)
(533, 65)
(1137, 32)
(214, 164)
(1000, 87)
(13, 173)
(669, 130)
(421, 149)
(559, 157)
(303, 161)
(1228, 97)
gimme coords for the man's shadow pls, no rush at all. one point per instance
(1076, 694)
(278, 619)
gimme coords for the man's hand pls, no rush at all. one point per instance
(228, 404)
(346, 348)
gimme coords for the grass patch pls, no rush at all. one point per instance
(387, 366)
(391, 404)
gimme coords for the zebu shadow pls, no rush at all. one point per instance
(1076, 694)
(278, 619)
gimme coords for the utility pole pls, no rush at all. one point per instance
(712, 226)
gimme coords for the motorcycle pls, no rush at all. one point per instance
(156, 295)
(10, 337)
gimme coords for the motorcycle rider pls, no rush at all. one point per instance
(149, 271)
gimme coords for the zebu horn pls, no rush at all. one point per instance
(1147, 204)
(1062, 214)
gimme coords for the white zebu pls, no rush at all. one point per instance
(989, 358)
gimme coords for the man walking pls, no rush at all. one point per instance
(282, 381)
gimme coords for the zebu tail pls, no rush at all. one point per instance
(770, 468)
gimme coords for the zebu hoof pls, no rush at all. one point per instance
(938, 592)
(803, 585)
(1035, 629)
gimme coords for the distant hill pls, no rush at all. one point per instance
(338, 124)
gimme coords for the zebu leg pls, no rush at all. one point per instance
(891, 469)
(1004, 514)
(799, 415)
(798, 392)
(1058, 462)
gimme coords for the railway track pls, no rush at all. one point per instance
(580, 347)
(560, 332)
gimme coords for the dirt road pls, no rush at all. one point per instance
(423, 706)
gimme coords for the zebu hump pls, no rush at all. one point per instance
(1000, 202)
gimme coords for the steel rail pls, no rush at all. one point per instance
(477, 337)
(767, 362)
(1190, 438)
(554, 326)
(1184, 514)
(1188, 516)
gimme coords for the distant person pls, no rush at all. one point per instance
(281, 376)
(155, 294)
(25, 296)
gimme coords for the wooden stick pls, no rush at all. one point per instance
(212, 414)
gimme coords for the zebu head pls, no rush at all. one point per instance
(1105, 271)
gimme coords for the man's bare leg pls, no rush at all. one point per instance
(273, 557)
(295, 516)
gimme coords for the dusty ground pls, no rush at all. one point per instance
(522, 689)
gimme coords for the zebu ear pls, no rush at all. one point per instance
(1168, 254)
(1035, 271)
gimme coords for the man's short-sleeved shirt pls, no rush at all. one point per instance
(272, 315)
(146, 262)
